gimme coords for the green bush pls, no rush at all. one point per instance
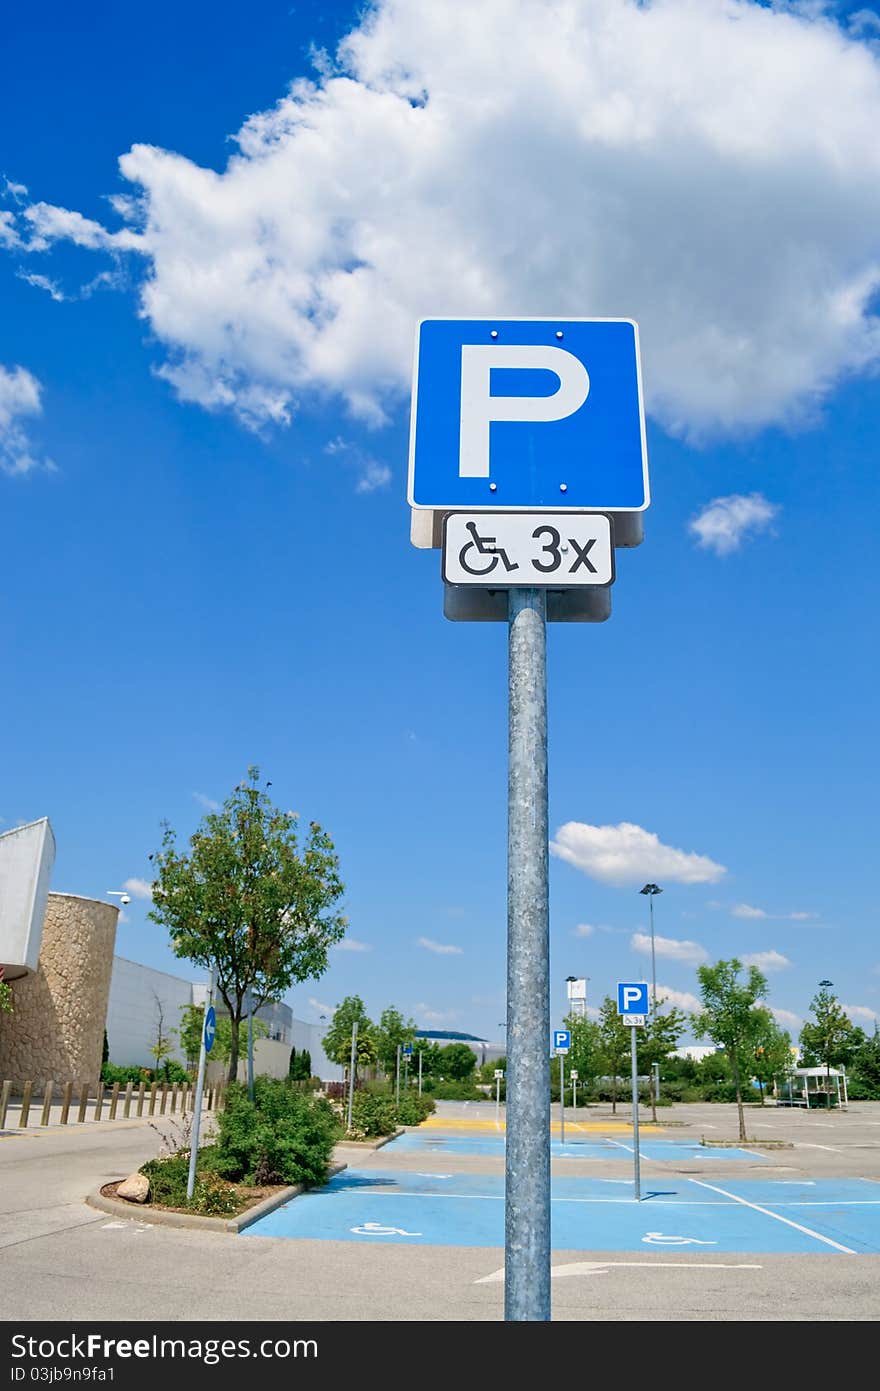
(283, 1136)
(373, 1114)
(112, 1072)
(457, 1091)
(169, 1178)
(413, 1109)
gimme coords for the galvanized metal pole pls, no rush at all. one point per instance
(351, 1069)
(250, 1005)
(420, 1072)
(497, 1100)
(200, 1087)
(635, 1083)
(562, 1097)
(397, 1080)
(653, 959)
(527, 1170)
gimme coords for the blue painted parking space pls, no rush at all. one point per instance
(590, 1214)
(594, 1148)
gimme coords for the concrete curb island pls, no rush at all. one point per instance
(160, 1217)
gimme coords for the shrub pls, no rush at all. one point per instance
(169, 1178)
(283, 1136)
(457, 1091)
(413, 1109)
(373, 1114)
(113, 1072)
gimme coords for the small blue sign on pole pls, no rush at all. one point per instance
(632, 997)
(528, 415)
(407, 1050)
(561, 1040)
(210, 1028)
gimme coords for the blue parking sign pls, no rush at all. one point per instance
(528, 415)
(632, 997)
(561, 1040)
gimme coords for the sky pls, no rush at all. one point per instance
(218, 230)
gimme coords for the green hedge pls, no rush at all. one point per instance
(284, 1136)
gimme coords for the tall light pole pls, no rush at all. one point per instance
(651, 890)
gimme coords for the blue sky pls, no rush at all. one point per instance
(203, 438)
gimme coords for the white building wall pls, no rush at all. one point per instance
(136, 994)
(309, 1036)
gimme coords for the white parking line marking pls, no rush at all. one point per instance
(808, 1145)
(847, 1250)
(603, 1267)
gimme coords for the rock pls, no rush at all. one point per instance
(135, 1189)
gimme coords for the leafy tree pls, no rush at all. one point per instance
(190, 1035)
(6, 995)
(656, 1041)
(729, 1016)
(866, 1066)
(487, 1070)
(826, 1037)
(105, 1050)
(300, 1069)
(393, 1031)
(773, 1058)
(431, 1056)
(337, 1040)
(458, 1062)
(614, 1045)
(586, 1048)
(250, 900)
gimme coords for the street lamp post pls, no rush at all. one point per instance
(650, 890)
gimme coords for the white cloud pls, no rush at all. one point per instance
(626, 853)
(9, 237)
(861, 1014)
(123, 917)
(709, 167)
(726, 522)
(439, 948)
(583, 930)
(745, 910)
(374, 476)
(19, 399)
(42, 282)
(681, 999)
(352, 944)
(207, 802)
(801, 917)
(320, 1008)
(139, 888)
(690, 952)
(766, 960)
(426, 1014)
(785, 1018)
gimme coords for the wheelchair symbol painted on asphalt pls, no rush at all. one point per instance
(377, 1229)
(658, 1239)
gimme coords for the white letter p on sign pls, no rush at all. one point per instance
(479, 408)
(631, 995)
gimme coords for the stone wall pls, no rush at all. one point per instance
(57, 1029)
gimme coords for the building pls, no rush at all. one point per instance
(485, 1051)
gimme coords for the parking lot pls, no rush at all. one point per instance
(414, 1230)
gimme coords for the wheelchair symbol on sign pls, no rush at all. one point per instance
(484, 545)
(377, 1229)
(658, 1239)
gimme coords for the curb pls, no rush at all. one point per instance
(746, 1144)
(159, 1217)
(372, 1144)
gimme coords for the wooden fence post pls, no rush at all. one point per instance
(141, 1090)
(153, 1089)
(65, 1102)
(174, 1098)
(164, 1098)
(83, 1101)
(99, 1101)
(127, 1107)
(4, 1102)
(114, 1099)
(48, 1089)
(25, 1104)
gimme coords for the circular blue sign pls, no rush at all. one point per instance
(210, 1028)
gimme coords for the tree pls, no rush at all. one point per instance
(190, 1035)
(826, 1038)
(585, 1049)
(866, 1066)
(487, 1070)
(5, 994)
(614, 1044)
(773, 1057)
(337, 1040)
(393, 1032)
(300, 1069)
(729, 1017)
(162, 1046)
(656, 1041)
(250, 900)
(431, 1054)
(457, 1062)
